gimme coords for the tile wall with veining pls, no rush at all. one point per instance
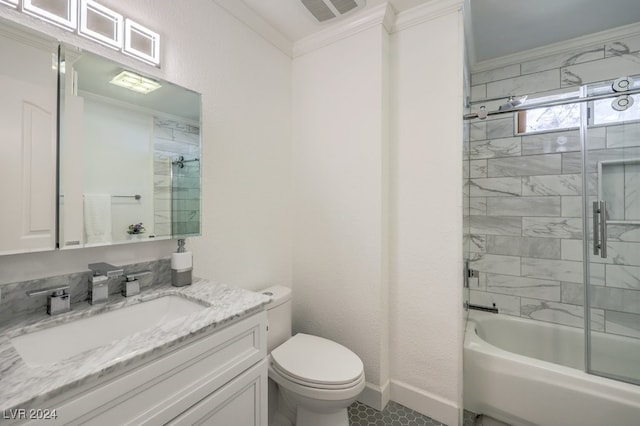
(524, 210)
(177, 202)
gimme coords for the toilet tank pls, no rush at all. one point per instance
(278, 315)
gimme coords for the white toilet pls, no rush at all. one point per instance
(312, 380)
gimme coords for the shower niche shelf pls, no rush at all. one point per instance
(618, 182)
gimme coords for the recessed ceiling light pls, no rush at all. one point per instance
(135, 82)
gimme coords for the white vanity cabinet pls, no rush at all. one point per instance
(217, 379)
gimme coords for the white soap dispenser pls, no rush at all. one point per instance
(181, 266)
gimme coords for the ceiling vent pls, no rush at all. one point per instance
(324, 10)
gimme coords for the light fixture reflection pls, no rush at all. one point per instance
(135, 82)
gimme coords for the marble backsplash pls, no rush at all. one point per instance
(15, 302)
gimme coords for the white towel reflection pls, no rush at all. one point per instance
(97, 218)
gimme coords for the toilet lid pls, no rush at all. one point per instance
(313, 359)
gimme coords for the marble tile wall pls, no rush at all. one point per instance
(16, 303)
(186, 199)
(524, 206)
(173, 139)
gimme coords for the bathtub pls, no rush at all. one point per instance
(527, 372)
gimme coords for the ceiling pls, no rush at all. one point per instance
(501, 27)
(292, 19)
(95, 73)
(494, 28)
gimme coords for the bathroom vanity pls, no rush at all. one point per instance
(204, 365)
(102, 152)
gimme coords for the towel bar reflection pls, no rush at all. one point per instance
(181, 160)
(136, 196)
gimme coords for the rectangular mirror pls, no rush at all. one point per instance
(129, 154)
(28, 112)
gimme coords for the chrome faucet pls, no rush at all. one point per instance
(58, 300)
(106, 269)
(99, 282)
(131, 285)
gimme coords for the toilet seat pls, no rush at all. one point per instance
(314, 393)
(313, 385)
(318, 363)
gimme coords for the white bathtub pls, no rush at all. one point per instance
(527, 372)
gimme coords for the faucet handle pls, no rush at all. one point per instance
(134, 275)
(131, 285)
(58, 300)
(54, 291)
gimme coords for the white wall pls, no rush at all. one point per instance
(377, 261)
(118, 160)
(339, 158)
(245, 83)
(426, 216)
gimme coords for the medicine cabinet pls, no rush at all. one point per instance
(93, 152)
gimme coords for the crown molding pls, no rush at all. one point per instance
(251, 19)
(389, 18)
(556, 48)
(425, 12)
(381, 15)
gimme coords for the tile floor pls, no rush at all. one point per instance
(469, 418)
(393, 414)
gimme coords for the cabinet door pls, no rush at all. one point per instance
(242, 402)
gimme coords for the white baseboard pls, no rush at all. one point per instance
(434, 406)
(375, 396)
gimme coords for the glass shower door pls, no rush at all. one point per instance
(185, 197)
(612, 202)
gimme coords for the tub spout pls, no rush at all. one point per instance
(493, 309)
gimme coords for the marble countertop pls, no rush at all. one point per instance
(27, 387)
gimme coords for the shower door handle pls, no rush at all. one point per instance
(596, 229)
(600, 228)
(603, 229)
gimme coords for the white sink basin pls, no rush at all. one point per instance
(44, 347)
